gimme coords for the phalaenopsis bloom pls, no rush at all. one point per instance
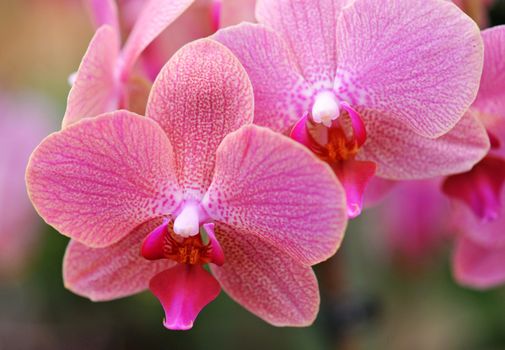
(479, 260)
(148, 201)
(105, 79)
(477, 195)
(373, 87)
(111, 77)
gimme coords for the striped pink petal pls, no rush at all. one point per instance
(95, 89)
(200, 96)
(269, 186)
(309, 27)
(491, 97)
(97, 180)
(393, 58)
(266, 281)
(113, 272)
(404, 155)
(279, 88)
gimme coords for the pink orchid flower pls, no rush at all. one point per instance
(149, 200)
(104, 81)
(367, 84)
(23, 123)
(480, 193)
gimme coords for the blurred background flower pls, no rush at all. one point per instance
(378, 292)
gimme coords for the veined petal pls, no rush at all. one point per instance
(402, 154)
(309, 27)
(201, 95)
(271, 187)
(392, 58)
(491, 97)
(279, 88)
(95, 90)
(478, 266)
(183, 291)
(154, 18)
(264, 280)
(113, 272)
(97, 180)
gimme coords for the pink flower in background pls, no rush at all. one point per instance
(367, 84)
(480, 193)
(412, 222)
(148, 200)
(201, 19)
(104, 81)
(23, 124)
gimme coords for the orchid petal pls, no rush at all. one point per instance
(402, 154)
(113, 272)
(216, 252)
(392, 58)
(271, 187)
(95, 89)
(104, 12)
(491, 97)
(200, 96)
(152, 245)
(354, 175)
(236, 11)
(154, 18)
(179, 33)
(309, 29)
(265, 281)
(478, 266)
(274, 73)
(97, 180)
(183, 291)
(487, 233)
(480, 188)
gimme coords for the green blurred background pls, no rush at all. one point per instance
(368, 300)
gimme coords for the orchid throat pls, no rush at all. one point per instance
(335, 144)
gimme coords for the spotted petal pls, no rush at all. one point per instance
(279, 87)
(393, 58)
(269, 186)
(309, 27)
(95, 90)
(402, 154)
(201, 95)
(97, 180)
(112, 272)
(265, 281)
